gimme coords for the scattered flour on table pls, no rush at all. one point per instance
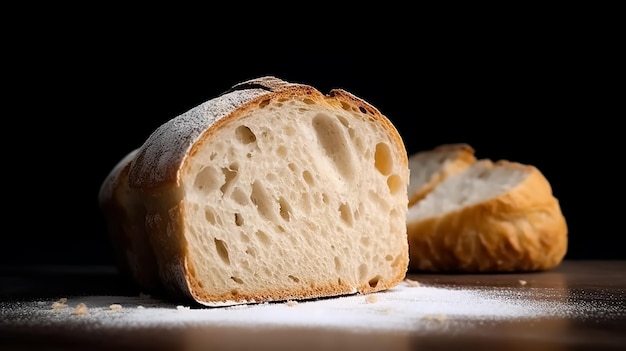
(407, 307)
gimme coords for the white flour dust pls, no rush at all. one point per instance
(406, 307)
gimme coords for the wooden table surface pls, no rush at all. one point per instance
(580, 305)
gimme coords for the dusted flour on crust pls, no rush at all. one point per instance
(266, 192)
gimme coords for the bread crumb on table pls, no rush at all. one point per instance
(412, 283)
(115, 307)
(60, 304)
(291, 303)
(81, 309)
(371, 298)
(522, 282)
(436, 317)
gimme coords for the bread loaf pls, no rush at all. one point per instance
(493, 217)
(270, 191)
(430, 167)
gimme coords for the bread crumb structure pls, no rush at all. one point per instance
(271, 191)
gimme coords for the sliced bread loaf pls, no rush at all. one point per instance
(271, 191)
(493, 217)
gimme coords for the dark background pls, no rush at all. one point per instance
(77, 99)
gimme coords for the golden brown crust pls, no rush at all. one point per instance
(271, 294)
(523, 229)
(133, 253)
(151, 181)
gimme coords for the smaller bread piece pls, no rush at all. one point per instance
(431, 167)
(270, 191)
(493, 217)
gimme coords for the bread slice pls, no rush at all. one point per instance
(271, 191)
(430, 167)
(493, 217)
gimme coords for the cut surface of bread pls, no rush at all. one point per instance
(493, 217)
(430, 167)
(271, 191)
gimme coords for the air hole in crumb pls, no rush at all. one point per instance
(263, 237)
(346, 214)
(251, 251)
(238, 219)
(244, 237)
(222, 250)
(264, 103)
(374, 281)
(239, 196)
(262, 200)
(362, 109)
(289, 130)
(285, 209)
(366, 240)
(211, 217)
(308, 101)
(294, 279)
(207, 180)
(325, 198)
(399, 259)
(332, 139)
(229, 175)
(343, 121)
(308, 178)
(395, 184)
(234, 292)
(245, 135)
(281, 151)
(388, 258)
(237, 280)
(383, 159)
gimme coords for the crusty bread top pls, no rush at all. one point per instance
(271, 190)
(159, 159)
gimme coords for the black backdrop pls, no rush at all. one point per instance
(74, 107)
